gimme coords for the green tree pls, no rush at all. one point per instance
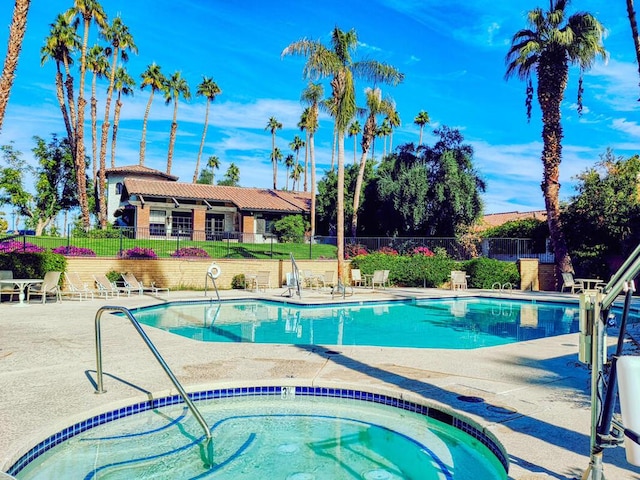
(296, 145)
(601, 221)
(210, 90)
(16, 35)
(213, 163)
(421, 120)
(354, 131)
(174, 88)
(155, 80)
(98, 64)
(12, 191)
(118, 36)
(547, 49)
(290, 229)
(303, 128)
(289, 163)
(337, 63)
(296, 173)
(124, 86)
(394, 121)
(384, 130)
(273, 125)
(231, 177)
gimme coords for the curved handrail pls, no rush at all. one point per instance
(163, 364)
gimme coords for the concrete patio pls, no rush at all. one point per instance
(536, 393)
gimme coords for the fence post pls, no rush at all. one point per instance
(68, 237)
(121, 247)
(271, 242)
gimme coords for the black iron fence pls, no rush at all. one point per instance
(144, 243)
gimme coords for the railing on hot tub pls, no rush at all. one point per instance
(163, 364)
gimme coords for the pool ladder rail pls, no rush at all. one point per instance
(99, 384)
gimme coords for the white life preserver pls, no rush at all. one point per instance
(214, 271)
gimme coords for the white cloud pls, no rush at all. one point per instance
(630, 128)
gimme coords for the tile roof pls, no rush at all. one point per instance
(497, 219)
(256, 199)
(140, 170)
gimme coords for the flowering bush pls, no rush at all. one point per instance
(191, 252)
(422, 251)
(72, 251)
(14, 246)
(354, 249)
(388, 251)
(138, 252)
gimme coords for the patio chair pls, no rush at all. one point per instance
(327, 279)
(356, 277)
(106, 288)
(569, 282)
(380, 277)
(76, 287)
(135, 285)
(262, 281)
(7, 288)
(49, 286)
(458, 280)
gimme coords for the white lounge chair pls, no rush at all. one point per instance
(569, 282)
(262, 281)
(76, 287)
(136, 285)
(458, 280)
(107, 288)
(380, 277)
(49, 286)
(356, 277)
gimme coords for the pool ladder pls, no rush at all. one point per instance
(154, 351)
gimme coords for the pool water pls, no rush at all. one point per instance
(278, 437)
(461, 323)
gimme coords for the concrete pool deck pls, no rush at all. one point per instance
(536, 393)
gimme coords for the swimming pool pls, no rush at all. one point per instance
(288, 432)
(453, 323)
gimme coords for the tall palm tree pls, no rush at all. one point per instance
(289, 163)
(296, 145)
(118, 36)
(213, 163)
(275, 156)
(97, 63)
(14, 45)
(312, 96)
(338, 64)
(296, 172)
(84, 11)
(354, 131)
(394, 122)
(421, 120)
(634, 30)
(59, 47)
(273, 125)
(232, 176)
(376, 105)
(547, 49)
(303, 128)
(124, 85)
(384, 130)
(210, 90)
(175, 88)
(155, 80)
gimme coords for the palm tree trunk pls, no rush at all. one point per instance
(274, 160)
(114, 134)
(340, 206)
(172, 135)
(420, 141)
(143, 141)
(94, 129)
(391, 142)
(312, 159)
(306, 160)
(355, 148)
(16, 35)
(634, 30)
(551, 87)
(204, 134)
(80, 148)
(63, 108)
(69, 85)
(333, 147)
(356, 194)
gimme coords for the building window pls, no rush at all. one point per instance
(215, 227)
(157, 222)
(118, 188)
(181, 224)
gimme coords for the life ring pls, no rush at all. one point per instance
(214, 271)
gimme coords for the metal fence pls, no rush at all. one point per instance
(144, 242)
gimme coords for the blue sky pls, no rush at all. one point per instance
(452, 54)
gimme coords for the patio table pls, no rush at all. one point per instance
(22, 284)
(590, 283)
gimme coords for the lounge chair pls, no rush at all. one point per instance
(76, 287)
(327, 279)
(569, 282)
(458, 280)
(49, 286)
(380, 277)
(356, 277)
(135, 285)
(106, 288)
(262, 281)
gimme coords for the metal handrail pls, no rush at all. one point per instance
(296, 275)
(163, 364)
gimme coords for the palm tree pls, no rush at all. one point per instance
(232, 177)
(208, 89)
(338, 64)
(354, 130)
(547, 49)
(97, 63)
(124, 86)
(59, 45)
(384, 131)
(175, 88)
(394, 122)
(295, 176)
(376, 105)
(121, 41)
(421, 120)
(289, 162)
(276, 156)
(214, 164)
(273, 126)
(634, 30)
(312, 95)
(16, 35)
(153, 78)
(296, 145)
(85, 11)
(303, 128)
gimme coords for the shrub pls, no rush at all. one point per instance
(138, 252)
(11, 246)
(484, 272)
(352, 250)
(422, 251)
(191, 252)
(114, 276)
(238, 281)
(72, 251)
(32, 265)
(290, 229)
(387, 250)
